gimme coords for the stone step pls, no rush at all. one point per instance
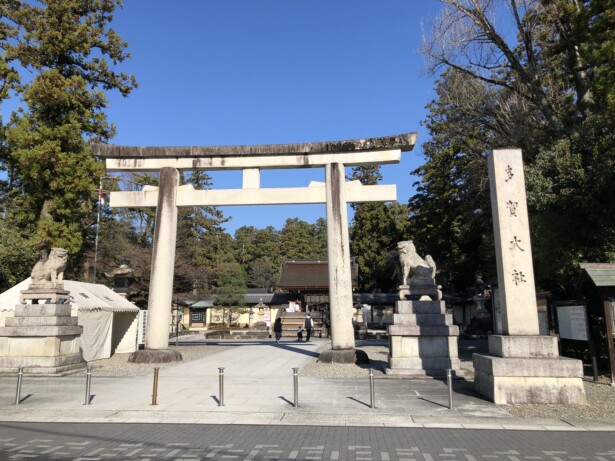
(523, 346)
(40, 321)
(420, 307)
(42, 310)
(425, 363)
(50, 330)
(419, 330)
(423, 319)
(41, 361)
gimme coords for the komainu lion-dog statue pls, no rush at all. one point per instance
(50, 273)
(411, 265)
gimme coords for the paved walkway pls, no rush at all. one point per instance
(258, 389)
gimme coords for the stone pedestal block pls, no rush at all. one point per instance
(422, 319)
(528, 369)
(420, 289)
(41, 338)
(523, 346)
(422, 339)
(420, 307)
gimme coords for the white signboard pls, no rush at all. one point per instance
(572, 322)
(141, 327)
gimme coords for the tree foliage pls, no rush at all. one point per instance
(301, 240)
(375, 230)
(544, 88)
(231, 290)
(66, 55)
(202, 243)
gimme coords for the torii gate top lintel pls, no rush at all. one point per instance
(404, 142)
(307, 155)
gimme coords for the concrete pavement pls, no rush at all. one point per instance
(258, 389)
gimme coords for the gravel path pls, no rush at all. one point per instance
(600, 405)
(118, 364)
(600, 395)
(377, 356)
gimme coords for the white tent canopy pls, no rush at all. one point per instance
(109, 321)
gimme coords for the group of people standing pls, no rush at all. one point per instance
(308, 327)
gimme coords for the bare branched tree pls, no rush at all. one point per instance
(466, 37)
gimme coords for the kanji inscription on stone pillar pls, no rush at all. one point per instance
(512, 243)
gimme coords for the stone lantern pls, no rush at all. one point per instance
(123, 278)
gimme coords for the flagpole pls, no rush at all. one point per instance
(100, 199)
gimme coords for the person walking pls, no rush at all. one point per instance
(309, 326)
(299, 333)
(277, 329)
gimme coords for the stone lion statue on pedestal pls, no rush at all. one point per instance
(411, 265)
(49, 273)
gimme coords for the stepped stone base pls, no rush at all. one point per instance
(43, 339)
(422, 339)
(528, 370)
(42, 366)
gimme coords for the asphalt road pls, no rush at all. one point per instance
(59, 441)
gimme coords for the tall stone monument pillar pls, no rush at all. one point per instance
(522, 367)
(161, 279)
(340, 281)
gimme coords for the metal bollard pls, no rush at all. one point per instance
(372, 399)
(18, 393)
(296, 386)
(449, 380)
(221, 386)
(88, 384)
(155, 393)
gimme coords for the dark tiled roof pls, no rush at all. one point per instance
(276, 299)
(305, 275)
(209, 300)
(269, 298)
(376, 298)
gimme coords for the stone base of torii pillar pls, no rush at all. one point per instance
(155, 356)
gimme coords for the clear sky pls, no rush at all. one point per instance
(238, 72)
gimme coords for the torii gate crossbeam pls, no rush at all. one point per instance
(336, 193)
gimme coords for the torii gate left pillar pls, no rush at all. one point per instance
(336, 193)
(340, 277)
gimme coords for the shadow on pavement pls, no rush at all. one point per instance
(281, 397)
(293, 345)
(23, 399)
(431, 401)
(358, 401)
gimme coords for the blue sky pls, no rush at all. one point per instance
(237, 72)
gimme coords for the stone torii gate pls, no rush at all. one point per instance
(336, 193)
